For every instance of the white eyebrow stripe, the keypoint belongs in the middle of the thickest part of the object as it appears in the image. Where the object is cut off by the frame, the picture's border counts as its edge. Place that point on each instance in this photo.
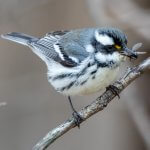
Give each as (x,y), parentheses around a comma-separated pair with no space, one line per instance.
(104,39)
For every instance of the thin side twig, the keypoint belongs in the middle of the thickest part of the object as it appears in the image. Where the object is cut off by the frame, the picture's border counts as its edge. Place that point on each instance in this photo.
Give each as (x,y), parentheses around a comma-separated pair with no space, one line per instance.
(97,105)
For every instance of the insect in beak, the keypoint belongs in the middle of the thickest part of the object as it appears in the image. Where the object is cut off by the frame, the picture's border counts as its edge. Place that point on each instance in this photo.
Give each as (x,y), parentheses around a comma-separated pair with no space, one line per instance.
(132,53)
(129,53)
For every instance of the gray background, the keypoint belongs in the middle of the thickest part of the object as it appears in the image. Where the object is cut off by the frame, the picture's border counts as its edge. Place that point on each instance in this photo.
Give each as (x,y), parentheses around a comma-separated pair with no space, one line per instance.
(33,106)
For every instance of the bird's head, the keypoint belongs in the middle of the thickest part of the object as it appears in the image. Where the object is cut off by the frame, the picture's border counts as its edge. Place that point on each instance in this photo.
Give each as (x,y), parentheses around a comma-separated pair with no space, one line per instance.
(113,40)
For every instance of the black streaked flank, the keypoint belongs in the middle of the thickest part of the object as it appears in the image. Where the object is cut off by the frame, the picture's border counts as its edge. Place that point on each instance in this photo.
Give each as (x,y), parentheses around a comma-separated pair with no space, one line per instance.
(93,72)
(60,89)
(93,77)
(70,85)
(99,64)
(70,75)
(62,76)
(84,70)
(67,87)
(82,83)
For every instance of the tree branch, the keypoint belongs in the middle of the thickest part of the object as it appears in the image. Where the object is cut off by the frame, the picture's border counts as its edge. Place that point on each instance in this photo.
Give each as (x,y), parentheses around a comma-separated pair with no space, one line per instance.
(97,105)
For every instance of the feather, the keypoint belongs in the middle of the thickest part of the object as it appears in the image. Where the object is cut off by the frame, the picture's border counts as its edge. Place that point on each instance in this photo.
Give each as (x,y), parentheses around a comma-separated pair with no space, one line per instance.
(20,38)
(50,47)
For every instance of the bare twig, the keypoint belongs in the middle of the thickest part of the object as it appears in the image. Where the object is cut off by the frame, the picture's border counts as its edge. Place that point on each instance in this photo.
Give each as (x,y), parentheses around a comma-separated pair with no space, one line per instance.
(97,105)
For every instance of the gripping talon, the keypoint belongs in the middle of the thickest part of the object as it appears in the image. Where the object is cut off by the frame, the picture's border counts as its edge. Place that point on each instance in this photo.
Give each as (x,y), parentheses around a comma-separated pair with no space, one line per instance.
(114,90)
(77,118)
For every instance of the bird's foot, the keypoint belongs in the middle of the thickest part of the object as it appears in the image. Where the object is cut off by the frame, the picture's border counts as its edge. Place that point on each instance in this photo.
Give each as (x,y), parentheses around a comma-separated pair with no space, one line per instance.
(114,90)
(77,118)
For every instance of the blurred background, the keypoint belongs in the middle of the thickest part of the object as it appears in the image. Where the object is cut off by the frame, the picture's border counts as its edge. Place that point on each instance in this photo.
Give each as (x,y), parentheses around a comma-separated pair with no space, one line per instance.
(30,107)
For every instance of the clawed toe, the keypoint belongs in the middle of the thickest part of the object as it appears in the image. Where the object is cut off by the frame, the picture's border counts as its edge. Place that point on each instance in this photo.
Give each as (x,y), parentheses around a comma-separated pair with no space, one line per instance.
(114,90)
(77,118)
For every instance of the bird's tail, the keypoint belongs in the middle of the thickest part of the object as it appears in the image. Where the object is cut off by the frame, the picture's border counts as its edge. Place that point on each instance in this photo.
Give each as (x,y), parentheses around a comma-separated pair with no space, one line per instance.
(19,38)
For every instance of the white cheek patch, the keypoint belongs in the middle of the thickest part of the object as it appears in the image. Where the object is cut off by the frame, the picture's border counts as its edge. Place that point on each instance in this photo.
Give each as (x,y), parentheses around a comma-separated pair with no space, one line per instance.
(101,57)
(104,39)
(89,48)
(116,57)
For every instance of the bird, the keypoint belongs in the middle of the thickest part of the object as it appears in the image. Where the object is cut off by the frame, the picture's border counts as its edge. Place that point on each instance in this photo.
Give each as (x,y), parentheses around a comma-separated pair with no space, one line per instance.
(79,61)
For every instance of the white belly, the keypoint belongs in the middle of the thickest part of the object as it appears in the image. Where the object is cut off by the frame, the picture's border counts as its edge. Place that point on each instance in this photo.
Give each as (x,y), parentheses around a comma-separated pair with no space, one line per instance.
(103,78)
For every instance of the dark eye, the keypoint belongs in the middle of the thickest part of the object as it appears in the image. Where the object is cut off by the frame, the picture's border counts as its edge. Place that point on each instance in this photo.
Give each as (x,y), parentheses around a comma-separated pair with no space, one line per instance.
(109,46)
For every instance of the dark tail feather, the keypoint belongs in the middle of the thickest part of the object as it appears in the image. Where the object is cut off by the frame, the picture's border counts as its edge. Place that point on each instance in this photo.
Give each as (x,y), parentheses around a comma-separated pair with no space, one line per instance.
(19,38)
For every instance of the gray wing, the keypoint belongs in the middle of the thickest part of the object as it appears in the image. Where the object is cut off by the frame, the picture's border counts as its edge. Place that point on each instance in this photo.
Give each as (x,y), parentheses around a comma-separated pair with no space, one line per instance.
(63,46)
(74,43)
(49,46)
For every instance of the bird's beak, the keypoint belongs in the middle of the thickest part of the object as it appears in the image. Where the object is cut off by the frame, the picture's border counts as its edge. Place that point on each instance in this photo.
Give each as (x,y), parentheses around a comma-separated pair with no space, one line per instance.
(129,53)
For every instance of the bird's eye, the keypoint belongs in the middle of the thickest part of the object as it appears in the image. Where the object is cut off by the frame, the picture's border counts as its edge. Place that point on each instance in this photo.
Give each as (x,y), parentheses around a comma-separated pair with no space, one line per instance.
(109,46)
(118,47)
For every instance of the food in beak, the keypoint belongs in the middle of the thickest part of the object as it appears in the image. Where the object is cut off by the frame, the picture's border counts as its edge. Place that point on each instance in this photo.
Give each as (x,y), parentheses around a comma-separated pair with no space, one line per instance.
(132,53)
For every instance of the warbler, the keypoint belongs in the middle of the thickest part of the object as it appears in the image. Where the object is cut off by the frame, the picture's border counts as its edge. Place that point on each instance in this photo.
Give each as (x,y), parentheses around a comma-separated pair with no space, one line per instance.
(81,61)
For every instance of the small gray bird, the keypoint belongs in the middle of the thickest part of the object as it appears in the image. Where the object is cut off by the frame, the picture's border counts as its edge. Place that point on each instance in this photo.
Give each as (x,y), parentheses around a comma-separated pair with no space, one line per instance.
(81,61)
